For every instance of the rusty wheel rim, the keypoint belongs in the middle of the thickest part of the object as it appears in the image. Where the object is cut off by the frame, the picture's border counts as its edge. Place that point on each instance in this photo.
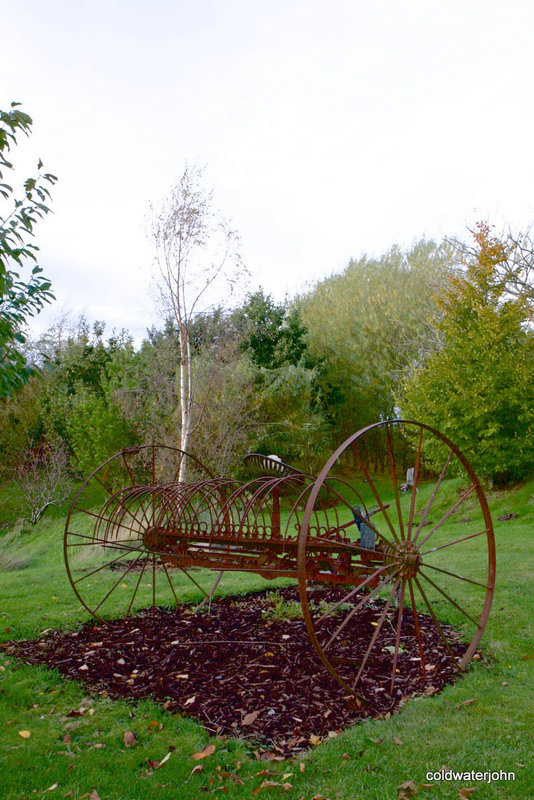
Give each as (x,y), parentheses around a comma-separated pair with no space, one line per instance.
(112,552)
(445,512)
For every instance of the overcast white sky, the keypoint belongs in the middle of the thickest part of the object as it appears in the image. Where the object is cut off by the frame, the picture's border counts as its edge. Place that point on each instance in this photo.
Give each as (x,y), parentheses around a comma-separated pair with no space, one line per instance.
(329,129)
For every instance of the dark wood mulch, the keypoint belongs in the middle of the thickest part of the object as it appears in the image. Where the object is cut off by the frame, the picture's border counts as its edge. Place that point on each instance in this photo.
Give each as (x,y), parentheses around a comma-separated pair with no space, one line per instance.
(239,671)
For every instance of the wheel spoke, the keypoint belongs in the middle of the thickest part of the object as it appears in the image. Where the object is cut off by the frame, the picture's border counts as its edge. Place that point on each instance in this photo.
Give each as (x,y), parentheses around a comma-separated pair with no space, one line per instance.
(109,544)
(455,575)
(398,635)
(107,519)
(153,584)
(104,485)
(353,592)
(415,481)
(376,632)
(347,545)
(456,541)
(137,586)
(357,607)
(124,574)
(374,491)
(433,497)
(417,631)
(394,478)
(170,582)
(209,596)
(128,470)
(434,618)
(447,597)
(107,564)
(92,539)
(446,516)
(194,581)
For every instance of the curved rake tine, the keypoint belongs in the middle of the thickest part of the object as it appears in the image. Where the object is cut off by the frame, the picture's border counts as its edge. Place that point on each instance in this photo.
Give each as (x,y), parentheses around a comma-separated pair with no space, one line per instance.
(376,633)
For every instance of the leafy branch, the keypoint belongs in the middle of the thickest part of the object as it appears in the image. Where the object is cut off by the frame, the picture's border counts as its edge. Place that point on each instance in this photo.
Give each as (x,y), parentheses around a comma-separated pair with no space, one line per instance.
(20,297)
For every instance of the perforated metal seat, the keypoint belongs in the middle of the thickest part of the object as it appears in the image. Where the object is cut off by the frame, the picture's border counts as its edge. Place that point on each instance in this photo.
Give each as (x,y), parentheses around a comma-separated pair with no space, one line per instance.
(269,466)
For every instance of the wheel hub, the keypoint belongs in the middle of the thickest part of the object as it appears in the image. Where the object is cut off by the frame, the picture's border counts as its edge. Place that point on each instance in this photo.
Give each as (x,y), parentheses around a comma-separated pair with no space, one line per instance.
(157,539)
(407,558)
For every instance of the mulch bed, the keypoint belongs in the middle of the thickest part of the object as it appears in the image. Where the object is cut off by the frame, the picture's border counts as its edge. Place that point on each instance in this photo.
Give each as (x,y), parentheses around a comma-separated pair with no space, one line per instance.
(241,672)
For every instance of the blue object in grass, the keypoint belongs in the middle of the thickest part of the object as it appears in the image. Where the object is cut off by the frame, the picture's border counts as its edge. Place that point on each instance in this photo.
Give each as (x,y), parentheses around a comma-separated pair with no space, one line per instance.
(367,534)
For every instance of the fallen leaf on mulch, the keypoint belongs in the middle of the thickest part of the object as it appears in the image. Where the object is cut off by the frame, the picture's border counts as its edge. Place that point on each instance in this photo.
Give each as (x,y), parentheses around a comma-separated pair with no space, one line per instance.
(248,719)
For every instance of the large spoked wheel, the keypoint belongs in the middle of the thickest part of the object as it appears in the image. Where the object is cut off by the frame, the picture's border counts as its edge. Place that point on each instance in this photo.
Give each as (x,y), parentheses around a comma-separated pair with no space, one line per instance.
(412,583)
(111,547)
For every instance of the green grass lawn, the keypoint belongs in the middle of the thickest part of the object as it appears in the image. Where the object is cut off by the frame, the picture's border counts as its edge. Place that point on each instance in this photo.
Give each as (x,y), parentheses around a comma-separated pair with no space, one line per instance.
(76,740)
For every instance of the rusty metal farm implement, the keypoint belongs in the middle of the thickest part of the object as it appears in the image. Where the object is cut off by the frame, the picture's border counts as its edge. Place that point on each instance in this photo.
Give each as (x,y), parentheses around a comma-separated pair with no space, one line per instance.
(373,557)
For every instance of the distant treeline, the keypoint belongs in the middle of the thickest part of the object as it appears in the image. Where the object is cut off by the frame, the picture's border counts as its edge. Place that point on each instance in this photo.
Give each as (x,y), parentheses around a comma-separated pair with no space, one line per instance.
(441,333)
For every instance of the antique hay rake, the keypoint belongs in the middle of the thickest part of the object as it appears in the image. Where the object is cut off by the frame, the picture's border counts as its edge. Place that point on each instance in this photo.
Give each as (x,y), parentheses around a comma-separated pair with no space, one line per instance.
(369,562)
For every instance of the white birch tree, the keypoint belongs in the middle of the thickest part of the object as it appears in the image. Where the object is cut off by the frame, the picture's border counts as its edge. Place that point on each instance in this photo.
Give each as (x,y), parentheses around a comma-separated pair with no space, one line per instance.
(199,267)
